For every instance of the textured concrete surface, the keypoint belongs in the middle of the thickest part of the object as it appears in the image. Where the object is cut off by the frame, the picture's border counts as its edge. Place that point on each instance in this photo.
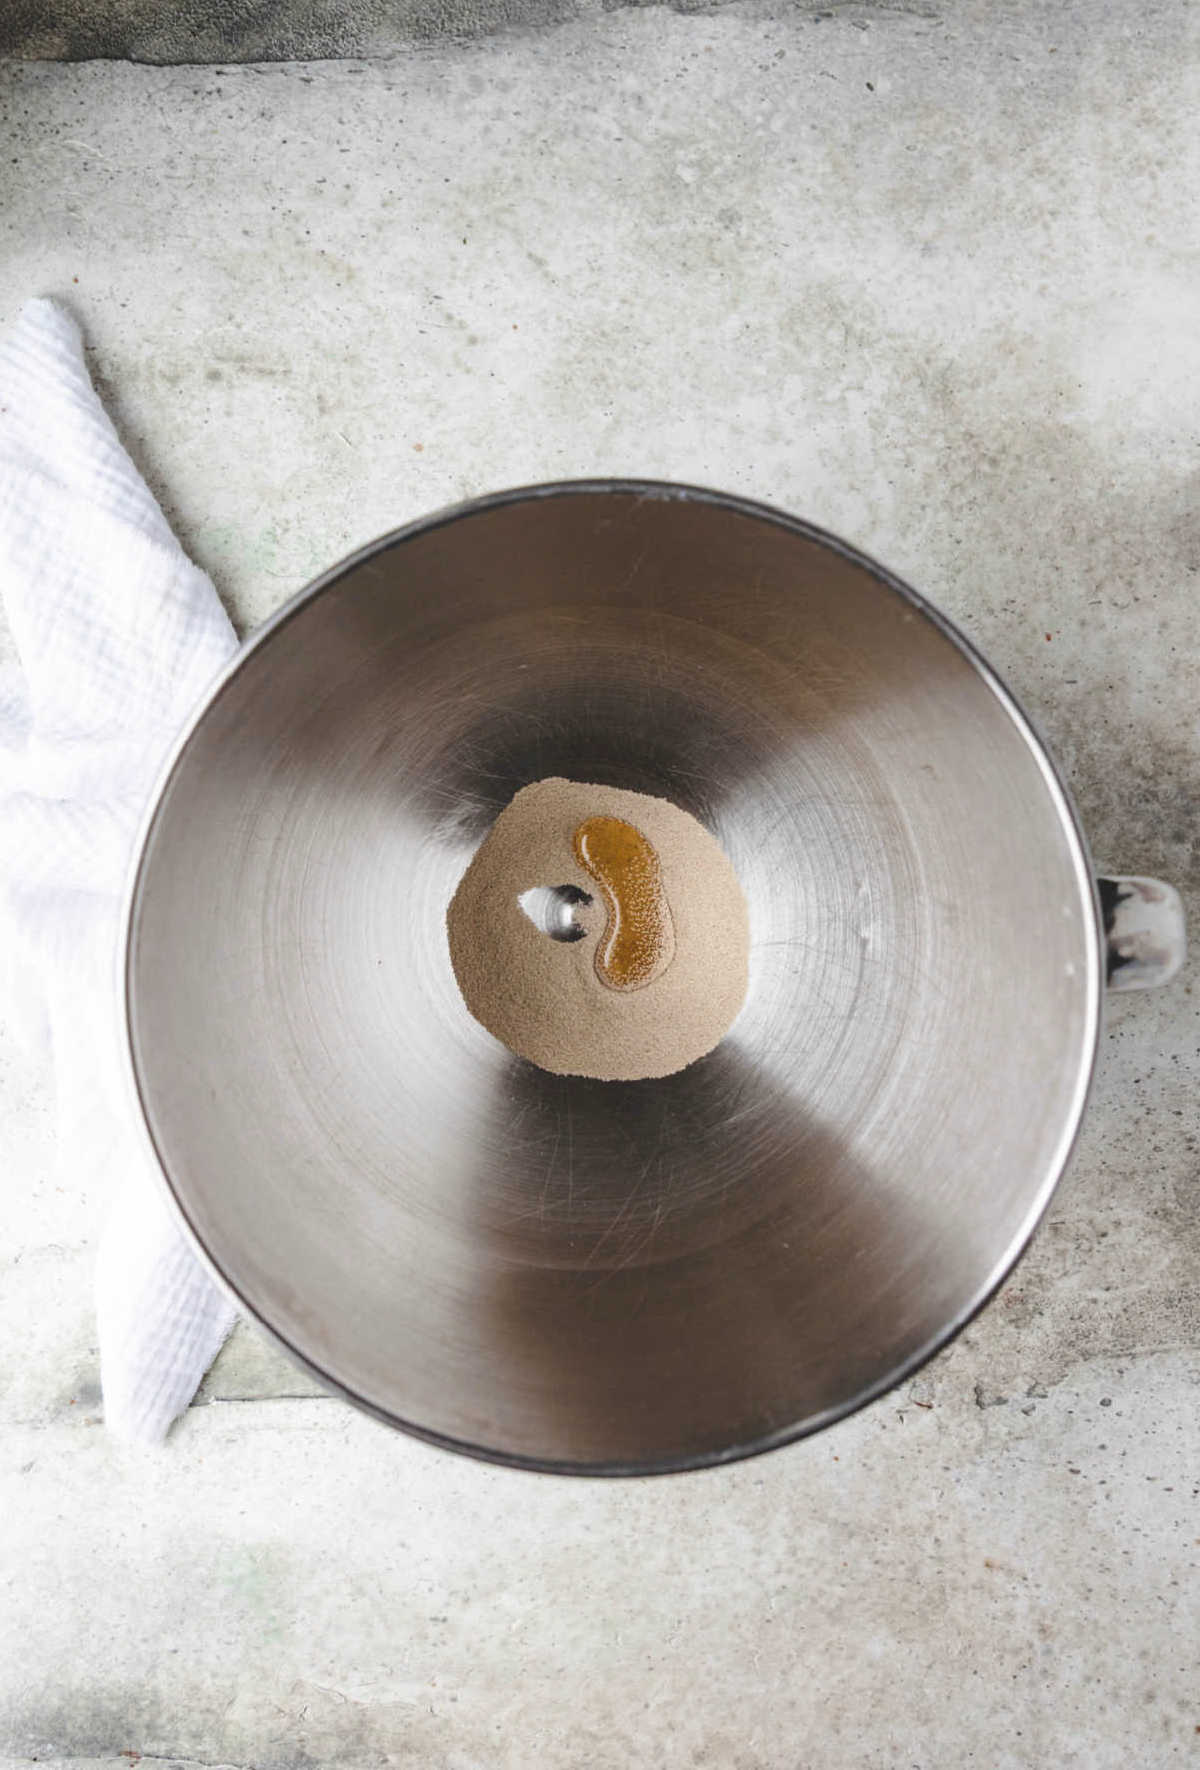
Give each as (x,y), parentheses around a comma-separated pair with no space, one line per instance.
(929,280)
(217,31)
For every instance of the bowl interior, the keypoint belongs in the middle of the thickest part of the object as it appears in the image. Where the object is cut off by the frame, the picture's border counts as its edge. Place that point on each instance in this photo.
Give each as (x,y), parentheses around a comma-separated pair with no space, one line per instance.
(612,1275)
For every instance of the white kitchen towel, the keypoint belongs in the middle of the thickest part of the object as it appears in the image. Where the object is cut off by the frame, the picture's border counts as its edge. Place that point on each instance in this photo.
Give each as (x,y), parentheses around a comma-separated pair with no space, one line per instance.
(117,635)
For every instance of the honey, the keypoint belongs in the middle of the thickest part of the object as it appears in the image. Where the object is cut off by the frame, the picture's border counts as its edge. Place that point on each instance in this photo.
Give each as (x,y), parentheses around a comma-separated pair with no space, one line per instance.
(638,942)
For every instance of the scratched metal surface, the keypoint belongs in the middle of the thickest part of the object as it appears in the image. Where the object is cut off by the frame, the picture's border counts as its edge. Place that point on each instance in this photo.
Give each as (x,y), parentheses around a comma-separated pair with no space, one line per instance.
(578,1274)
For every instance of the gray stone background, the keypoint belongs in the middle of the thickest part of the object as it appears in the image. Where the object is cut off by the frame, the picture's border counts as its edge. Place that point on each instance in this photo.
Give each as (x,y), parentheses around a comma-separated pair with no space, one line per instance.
(927,275)
(272,30)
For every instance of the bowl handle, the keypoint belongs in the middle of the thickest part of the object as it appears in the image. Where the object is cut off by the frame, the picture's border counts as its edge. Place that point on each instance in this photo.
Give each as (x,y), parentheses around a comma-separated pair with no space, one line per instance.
(1144,930)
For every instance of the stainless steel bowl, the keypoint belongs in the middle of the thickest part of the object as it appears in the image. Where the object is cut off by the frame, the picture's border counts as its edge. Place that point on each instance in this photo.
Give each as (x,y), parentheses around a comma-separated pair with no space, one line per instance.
(591,1276)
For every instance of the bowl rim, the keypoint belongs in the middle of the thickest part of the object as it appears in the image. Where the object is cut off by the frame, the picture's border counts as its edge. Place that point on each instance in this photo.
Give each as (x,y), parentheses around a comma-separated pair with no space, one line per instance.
(647,490)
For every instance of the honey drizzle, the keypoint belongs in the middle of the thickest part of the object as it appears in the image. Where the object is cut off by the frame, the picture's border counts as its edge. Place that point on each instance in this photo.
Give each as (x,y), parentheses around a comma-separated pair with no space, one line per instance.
(639,936)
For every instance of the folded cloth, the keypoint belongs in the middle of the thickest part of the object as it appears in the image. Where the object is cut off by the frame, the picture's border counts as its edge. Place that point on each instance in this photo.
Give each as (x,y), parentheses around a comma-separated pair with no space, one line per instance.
(117,635)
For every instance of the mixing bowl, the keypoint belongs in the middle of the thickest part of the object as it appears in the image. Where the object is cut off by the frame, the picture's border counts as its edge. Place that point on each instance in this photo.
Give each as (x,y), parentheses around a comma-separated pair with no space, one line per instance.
(601,1276)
